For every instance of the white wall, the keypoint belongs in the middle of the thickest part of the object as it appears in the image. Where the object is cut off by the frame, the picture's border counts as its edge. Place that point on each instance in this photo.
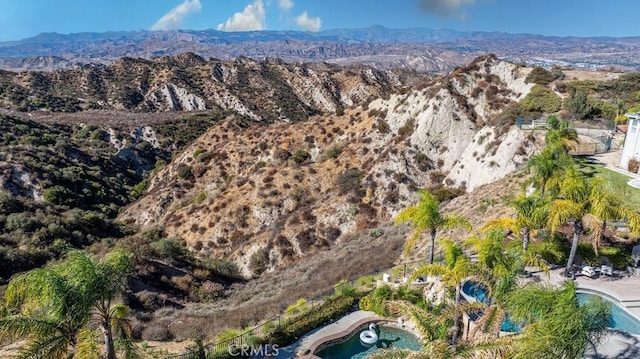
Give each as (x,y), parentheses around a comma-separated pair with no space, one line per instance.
(631,147)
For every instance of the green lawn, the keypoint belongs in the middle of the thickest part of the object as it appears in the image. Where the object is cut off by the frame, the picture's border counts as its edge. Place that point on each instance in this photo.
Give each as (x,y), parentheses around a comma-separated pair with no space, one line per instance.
(615,181)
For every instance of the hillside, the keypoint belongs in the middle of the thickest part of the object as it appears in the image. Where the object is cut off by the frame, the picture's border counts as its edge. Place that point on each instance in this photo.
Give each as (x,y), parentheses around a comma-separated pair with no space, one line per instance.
(261,91)
(264,203)
(205,196)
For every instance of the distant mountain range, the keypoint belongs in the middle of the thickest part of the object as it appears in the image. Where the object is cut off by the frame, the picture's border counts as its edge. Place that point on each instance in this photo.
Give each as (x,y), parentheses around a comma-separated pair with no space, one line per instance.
(417,48)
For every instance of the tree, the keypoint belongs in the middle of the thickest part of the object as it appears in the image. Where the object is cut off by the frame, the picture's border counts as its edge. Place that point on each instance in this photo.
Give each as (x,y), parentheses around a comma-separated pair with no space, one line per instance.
(432,327)
(541,99)
(51,307)
(503,261)
(456,269)
(426,216)
(554,157)
(578,105)
(560,134)
(585,203)
(557,326)
(530,213)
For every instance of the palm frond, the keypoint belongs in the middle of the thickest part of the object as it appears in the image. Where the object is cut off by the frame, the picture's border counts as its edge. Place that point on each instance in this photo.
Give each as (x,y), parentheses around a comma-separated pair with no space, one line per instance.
(490,322)
(563,210)
(40,290)
(20,326)
(88,346)
(488,348)
(533,259)
(412,241)
(426,322)
(594,225)
(455,221)
(53,347)
(392,354)
(508,223)
(451,312)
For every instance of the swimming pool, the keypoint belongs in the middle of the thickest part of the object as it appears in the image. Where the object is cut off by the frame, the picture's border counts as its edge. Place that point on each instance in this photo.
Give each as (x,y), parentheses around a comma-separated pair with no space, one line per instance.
(478,292)
(620,318)
(353,349)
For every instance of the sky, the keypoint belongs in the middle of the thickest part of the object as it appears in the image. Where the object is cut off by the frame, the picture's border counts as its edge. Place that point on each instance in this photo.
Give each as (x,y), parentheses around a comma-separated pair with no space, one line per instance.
(25,18)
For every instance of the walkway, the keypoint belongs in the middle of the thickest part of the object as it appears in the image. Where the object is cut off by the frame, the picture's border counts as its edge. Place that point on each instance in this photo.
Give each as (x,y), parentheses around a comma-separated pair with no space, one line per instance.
(307,345)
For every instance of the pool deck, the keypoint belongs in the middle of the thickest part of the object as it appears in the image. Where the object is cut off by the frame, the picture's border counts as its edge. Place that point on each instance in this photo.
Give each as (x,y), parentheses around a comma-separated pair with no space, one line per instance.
(308,344)
(624,289)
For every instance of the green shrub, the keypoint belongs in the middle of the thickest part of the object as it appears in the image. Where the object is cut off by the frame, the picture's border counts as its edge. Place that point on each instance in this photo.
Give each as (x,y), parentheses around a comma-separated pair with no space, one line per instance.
(541,76)
(620,257)
(9,204)
(293,328)
(201,197)
(139,189)
(184,172)
(259,261)
(383,127)
(349,180)
(171,249)
(58,195)
(541,99)
(22,221)
(375,301)
(300,306)
(222,267)
(300,156)
(333,152)
(198,152)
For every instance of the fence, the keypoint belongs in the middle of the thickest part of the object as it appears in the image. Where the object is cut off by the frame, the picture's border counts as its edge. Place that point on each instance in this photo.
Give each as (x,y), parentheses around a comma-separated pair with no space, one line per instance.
(296,313)
(602,137)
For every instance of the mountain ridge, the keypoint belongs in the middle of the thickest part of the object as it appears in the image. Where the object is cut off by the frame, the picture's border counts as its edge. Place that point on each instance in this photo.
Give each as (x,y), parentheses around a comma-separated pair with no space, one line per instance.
(422,49)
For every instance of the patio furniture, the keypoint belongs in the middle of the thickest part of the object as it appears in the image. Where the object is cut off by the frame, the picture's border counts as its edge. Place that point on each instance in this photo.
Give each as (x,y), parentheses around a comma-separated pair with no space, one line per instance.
(635,256)
(588,271)
(607,266)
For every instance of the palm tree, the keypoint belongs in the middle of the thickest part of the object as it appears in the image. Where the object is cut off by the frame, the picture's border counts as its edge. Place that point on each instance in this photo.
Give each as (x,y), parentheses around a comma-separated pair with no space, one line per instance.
(559,132)
(457,268)
(425,216)
(554,157)
(504,262)
(557,326)
(51,307)
(433,329)
(587,204)
(530,214)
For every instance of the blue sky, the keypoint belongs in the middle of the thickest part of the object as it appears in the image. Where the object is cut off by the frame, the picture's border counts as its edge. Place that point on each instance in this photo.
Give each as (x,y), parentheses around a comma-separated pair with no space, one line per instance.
(24,18)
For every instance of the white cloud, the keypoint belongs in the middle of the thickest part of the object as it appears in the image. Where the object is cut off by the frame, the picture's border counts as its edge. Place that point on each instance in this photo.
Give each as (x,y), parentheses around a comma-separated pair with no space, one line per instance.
(173,18)
(285,4)
(308,23)
(250,19)
(445,8)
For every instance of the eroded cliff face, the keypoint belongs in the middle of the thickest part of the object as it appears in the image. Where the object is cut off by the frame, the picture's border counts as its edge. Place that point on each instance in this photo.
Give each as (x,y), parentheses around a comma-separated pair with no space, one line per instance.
(458,122)
(265,196)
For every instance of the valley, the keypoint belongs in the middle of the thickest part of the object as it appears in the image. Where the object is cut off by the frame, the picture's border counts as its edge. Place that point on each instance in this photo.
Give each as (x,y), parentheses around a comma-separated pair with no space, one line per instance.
(235,202)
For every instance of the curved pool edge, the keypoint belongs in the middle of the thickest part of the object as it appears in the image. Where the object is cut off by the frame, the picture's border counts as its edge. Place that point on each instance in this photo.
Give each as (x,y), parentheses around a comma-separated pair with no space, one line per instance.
(346,334)
(607,295)
(318,345)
